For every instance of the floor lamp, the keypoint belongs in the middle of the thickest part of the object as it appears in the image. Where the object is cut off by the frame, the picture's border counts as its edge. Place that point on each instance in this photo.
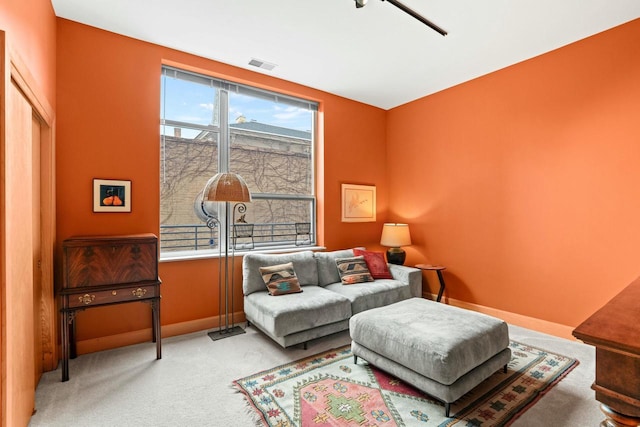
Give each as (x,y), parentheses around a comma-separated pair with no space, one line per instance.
(225,187)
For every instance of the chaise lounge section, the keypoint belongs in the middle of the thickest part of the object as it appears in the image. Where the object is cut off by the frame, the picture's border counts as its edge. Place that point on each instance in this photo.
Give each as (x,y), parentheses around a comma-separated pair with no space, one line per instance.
(325,304)
(442,350)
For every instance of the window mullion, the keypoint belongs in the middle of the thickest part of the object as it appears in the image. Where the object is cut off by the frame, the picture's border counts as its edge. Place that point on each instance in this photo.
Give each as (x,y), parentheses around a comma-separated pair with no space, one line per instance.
(224,155)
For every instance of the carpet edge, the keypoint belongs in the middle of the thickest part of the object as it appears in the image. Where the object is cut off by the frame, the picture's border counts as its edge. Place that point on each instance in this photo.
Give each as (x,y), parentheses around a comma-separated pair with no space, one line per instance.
(544,391)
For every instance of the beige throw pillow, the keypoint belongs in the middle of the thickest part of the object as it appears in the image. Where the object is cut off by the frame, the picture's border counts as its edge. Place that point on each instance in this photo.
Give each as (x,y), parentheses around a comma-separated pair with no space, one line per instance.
(280,279)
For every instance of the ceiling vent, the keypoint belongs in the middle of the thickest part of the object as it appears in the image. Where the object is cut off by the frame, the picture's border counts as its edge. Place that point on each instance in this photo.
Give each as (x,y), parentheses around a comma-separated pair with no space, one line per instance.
(262,64)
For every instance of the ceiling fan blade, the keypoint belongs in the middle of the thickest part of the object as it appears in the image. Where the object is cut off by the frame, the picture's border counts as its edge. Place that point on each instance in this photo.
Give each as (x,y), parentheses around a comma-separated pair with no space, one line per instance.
(416,15)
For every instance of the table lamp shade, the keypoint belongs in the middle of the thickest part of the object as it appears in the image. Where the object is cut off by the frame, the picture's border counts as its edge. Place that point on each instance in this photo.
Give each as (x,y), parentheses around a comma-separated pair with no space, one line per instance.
(395,235)
(226,187)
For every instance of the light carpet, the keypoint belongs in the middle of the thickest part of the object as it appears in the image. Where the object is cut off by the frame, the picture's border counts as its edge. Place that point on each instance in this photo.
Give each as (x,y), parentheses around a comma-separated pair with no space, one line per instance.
(191,384)
(329,389)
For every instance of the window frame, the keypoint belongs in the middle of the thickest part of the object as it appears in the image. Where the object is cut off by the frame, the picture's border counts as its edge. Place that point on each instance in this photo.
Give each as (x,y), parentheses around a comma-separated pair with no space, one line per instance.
(224,130)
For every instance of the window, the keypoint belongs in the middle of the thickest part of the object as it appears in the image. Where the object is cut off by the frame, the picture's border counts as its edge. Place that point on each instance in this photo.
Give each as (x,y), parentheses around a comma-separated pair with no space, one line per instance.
(208,126)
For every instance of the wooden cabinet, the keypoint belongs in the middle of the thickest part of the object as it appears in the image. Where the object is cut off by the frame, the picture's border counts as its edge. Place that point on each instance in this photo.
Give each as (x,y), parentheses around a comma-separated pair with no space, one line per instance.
(614,330)
(96,261)
(105,270)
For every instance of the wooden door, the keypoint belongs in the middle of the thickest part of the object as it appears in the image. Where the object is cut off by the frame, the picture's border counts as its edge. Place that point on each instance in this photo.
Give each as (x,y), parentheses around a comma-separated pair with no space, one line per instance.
(27,235)
(19,313)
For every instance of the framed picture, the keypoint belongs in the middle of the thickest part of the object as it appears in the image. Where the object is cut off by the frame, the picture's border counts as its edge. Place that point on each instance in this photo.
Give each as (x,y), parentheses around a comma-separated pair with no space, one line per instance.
(358,203)
(110,195)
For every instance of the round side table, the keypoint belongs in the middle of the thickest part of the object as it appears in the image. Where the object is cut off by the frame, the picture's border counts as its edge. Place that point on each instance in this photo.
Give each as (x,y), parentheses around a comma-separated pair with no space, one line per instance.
(438,269)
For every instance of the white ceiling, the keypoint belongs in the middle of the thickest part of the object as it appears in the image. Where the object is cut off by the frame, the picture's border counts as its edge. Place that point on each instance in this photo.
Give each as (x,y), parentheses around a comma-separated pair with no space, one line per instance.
(377,54)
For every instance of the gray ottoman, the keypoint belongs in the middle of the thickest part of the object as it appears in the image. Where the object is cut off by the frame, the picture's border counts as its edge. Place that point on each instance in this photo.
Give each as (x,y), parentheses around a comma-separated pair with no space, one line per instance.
(442,350)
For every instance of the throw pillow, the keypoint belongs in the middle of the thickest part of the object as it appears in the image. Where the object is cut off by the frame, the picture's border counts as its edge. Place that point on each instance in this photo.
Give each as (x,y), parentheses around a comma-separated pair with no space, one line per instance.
(280,279)
(376,263)
(353,270)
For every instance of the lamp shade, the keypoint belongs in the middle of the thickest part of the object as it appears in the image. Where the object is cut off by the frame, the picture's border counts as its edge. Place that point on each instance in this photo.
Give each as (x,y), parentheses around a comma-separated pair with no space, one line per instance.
(226,187)
(395,235)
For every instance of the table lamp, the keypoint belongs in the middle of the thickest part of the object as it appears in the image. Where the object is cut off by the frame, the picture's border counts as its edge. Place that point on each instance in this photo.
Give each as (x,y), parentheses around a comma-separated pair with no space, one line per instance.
(395,235)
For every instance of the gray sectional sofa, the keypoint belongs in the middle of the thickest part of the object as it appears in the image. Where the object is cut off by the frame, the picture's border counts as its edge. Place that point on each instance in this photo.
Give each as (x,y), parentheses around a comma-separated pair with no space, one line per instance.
(325,305)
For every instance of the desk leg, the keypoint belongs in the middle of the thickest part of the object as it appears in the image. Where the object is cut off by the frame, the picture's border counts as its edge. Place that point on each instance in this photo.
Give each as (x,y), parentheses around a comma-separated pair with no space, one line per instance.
(616,419)
(441,291)
(157,333)
(154,329)
(65,345)
(73,350)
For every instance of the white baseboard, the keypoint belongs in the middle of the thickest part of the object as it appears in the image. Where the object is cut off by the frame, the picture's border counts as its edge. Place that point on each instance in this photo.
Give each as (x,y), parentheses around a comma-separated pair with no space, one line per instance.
(544,326)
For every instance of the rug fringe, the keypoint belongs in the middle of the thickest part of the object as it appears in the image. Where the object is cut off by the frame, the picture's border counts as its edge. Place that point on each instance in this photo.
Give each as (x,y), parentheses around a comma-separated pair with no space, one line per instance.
(250,409)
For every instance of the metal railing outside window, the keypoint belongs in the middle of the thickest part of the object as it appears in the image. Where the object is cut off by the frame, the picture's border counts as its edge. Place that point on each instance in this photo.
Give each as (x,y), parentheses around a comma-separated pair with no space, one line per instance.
(193,237)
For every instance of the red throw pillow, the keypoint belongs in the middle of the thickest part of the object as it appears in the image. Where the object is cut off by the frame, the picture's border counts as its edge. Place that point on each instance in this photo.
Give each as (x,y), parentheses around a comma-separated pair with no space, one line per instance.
(376,263)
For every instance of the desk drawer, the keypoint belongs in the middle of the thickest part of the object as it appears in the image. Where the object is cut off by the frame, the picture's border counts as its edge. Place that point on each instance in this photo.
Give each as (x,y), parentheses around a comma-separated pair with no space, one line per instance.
(98,262)
(90,298)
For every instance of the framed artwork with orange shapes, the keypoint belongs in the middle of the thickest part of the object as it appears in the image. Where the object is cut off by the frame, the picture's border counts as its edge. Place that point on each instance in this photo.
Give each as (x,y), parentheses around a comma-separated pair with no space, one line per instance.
(111,195)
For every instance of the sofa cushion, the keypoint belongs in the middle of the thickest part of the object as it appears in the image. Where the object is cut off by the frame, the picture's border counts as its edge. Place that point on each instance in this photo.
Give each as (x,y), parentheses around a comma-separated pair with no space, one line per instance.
(304,265)
(292,313)
(365,296)
(353,270)
(327,268)
(280,279)
(376,263)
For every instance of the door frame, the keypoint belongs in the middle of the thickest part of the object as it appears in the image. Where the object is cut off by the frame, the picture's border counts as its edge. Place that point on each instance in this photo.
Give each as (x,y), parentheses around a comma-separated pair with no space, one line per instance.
(13,69)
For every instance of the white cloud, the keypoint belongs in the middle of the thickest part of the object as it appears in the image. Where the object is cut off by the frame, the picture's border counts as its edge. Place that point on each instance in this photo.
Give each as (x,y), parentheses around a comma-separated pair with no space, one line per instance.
(289,113)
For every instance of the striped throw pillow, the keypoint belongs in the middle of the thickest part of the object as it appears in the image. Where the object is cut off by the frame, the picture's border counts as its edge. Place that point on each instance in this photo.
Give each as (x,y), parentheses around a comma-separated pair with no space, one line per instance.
(353,270)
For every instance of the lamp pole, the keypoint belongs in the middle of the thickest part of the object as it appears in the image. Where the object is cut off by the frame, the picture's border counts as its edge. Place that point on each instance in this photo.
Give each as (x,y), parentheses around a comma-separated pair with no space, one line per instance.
(226,187)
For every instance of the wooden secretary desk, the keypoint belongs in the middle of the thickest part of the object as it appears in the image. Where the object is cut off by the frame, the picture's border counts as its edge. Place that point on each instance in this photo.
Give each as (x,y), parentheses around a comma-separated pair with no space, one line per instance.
(105,270)
(614,330)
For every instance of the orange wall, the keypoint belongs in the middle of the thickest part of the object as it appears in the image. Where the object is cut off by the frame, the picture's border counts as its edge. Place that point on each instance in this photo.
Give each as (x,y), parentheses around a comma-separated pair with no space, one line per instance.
(30,26)
(108,127)
(520,182)
(524,182)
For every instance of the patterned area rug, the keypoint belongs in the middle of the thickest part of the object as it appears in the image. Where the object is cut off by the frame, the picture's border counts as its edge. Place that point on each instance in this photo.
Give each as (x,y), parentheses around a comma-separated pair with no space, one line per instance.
(328,389)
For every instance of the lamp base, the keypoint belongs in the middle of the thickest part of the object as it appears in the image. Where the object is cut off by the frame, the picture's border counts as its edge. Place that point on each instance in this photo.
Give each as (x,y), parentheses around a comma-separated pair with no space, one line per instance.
(226,333)
(396,256)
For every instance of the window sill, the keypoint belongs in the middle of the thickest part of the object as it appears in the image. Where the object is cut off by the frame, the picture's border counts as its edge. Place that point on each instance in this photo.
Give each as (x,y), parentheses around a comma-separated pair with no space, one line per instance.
(206,254)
